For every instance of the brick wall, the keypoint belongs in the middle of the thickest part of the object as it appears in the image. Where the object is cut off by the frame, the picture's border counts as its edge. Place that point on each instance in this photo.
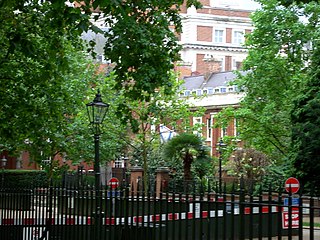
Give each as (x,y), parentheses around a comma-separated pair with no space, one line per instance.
(183,70)
(204,33)
(228,35)
(223,12)
(205,2)
(201,66)
(228,63)
(207,66)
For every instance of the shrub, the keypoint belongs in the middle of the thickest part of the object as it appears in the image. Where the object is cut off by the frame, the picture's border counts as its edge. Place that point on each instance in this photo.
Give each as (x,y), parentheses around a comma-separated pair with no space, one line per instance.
(24,179)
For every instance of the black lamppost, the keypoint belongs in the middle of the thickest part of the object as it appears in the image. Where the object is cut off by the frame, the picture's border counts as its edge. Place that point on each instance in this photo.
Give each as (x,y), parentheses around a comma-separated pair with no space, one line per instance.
(3,165)
(80,175)
(97,111)
(221,145)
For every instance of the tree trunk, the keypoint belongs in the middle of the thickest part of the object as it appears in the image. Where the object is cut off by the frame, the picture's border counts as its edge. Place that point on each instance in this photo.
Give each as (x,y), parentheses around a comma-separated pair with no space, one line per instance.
(187,166)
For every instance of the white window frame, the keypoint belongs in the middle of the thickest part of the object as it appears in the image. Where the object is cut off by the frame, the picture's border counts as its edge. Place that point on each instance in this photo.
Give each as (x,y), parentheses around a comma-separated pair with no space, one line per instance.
(209,128)
(220,38)
(224,132)
(237,40)
(197,120)
(187,93)
(236,124)
(118,163)
(210,91)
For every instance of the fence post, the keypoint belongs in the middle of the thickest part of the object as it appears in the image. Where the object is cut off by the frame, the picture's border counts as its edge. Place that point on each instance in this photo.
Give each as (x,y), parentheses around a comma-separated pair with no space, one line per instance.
(135,178)
(241,210)
(311,215)
(162,179)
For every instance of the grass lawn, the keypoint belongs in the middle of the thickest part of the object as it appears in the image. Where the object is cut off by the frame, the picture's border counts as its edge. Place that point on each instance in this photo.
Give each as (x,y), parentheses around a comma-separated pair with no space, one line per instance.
(307,224)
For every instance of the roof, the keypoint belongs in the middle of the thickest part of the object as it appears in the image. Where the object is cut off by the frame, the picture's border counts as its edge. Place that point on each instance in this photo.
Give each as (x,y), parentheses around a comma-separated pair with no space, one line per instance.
(215,80)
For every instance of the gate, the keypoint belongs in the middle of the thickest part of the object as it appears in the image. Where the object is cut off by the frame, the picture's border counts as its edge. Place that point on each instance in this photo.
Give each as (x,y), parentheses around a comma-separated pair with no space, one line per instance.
(63,213)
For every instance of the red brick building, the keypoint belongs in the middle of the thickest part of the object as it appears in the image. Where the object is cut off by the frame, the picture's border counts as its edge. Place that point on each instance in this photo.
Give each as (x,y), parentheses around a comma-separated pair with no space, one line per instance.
(219,94)
(213,36)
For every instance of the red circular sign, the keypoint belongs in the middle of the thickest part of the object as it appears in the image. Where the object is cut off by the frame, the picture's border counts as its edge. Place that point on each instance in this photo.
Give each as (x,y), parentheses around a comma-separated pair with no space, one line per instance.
(113,183)
(292,185)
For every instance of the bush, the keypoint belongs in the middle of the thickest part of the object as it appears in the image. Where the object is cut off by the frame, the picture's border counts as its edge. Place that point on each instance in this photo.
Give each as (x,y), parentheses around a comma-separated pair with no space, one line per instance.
(24,179)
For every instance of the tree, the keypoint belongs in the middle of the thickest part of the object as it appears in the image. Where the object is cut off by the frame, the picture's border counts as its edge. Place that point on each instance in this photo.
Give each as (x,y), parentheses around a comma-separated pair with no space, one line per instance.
(36,35)
(305,132)
(45,77)
(161,108)
(279,111)
(290,2)
(304,114)
(145,52)
(36,57)
(188,147)
(274,71)
(79,144)
(249,164)
(66,132)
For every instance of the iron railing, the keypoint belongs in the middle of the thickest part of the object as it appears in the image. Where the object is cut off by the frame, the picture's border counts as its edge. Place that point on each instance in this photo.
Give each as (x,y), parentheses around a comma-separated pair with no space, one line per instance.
(196,212)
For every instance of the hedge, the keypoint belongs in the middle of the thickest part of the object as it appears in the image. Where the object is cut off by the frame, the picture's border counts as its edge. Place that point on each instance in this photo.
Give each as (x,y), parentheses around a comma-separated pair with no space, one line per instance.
(24,179)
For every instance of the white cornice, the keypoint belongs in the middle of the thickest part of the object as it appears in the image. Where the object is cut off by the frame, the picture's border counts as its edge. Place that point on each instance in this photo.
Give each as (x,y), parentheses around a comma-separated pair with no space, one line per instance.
(215,48)
(218,18)
(217,100)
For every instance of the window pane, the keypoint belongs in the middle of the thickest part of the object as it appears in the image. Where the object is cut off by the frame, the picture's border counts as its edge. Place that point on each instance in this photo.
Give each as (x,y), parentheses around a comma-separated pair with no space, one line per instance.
(238,37)
(218,36)
(209,128)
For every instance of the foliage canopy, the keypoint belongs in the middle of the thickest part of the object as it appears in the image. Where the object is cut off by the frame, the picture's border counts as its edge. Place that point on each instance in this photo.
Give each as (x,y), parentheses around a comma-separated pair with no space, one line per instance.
(44,79)
(280,108)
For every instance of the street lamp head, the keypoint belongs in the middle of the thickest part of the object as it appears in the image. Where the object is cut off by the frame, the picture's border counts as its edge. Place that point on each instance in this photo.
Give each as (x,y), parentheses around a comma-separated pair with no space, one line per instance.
(97,111)
(4,161)
(221,144)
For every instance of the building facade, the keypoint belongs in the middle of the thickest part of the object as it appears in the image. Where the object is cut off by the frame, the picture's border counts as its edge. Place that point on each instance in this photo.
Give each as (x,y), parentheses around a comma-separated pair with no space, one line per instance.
(212,47)
(213,93)
(213,36)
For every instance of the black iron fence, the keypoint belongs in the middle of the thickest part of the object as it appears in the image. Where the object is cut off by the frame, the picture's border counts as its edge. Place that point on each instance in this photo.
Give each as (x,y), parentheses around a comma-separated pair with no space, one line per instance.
(197,212)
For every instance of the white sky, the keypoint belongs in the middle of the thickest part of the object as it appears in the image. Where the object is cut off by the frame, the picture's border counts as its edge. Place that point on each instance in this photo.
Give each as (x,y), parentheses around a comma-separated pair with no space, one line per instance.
(248,4)
(239,4)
